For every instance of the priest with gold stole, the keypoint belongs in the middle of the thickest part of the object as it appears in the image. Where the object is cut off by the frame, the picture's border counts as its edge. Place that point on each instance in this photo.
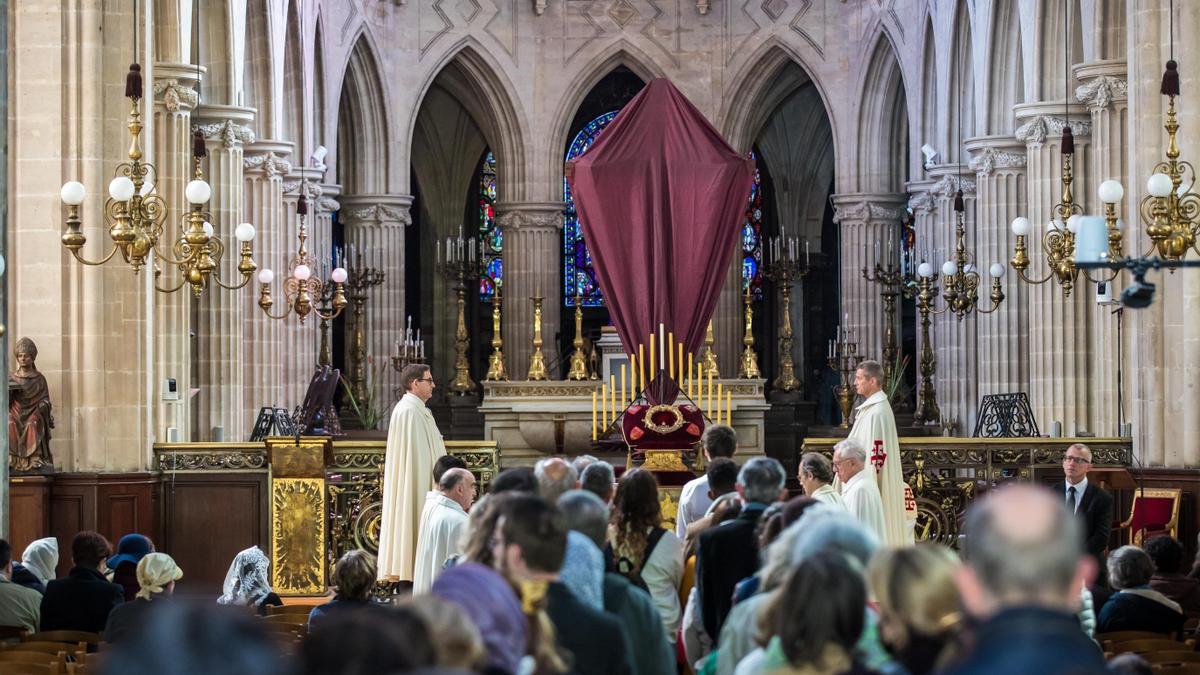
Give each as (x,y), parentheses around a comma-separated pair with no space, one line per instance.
(875,428)
(414,444)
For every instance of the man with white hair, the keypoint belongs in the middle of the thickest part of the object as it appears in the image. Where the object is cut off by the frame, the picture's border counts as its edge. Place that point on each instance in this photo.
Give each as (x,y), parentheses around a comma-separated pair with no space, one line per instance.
(554,477)
(859,491)
(442,526)
(875,430)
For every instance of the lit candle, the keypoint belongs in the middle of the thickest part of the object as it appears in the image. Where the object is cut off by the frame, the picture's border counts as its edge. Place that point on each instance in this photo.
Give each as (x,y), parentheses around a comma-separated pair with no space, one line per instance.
(641,364)
(594,430)
(671,355)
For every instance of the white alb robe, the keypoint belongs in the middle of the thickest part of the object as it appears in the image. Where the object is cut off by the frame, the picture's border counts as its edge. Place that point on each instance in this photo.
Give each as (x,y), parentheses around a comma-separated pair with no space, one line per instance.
(414,444)
(829,495)
(875,429)
(861,497)
(442,526)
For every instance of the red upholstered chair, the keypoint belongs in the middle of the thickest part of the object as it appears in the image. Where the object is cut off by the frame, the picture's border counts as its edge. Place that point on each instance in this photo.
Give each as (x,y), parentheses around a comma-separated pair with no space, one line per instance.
(1155,511)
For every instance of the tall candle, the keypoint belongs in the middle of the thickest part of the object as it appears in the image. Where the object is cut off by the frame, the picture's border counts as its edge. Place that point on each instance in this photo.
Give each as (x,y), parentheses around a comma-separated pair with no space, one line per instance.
(612,391)
(671,355)
(720,398)
(624,383)
(679,346)
(662,345)
(653,348)
(729,408)
(691,377)
(708,407)
(604,405)
(594,430)
(641,368)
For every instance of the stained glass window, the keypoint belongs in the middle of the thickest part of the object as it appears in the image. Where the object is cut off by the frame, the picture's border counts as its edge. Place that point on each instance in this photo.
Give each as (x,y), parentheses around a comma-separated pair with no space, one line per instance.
(752,236)
(491,239)
(578,274)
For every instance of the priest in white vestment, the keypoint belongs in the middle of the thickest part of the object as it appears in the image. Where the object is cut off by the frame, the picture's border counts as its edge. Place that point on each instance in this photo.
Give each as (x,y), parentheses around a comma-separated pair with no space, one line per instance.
(816,477)
(414,444)
(860,494)
(442,525)
(875,429)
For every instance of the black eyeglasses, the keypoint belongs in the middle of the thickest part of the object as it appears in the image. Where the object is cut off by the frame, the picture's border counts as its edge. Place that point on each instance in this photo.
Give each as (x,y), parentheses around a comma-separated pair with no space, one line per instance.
(1076,460)
(424,379)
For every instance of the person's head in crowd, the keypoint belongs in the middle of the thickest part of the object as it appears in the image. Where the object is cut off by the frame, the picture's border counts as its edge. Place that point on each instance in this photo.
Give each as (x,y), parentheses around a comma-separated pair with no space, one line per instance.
(1022,548)
(369,640)
(718,440)
(1129,664)
(131,549)
(795,508)
(354,576)
(1166,552)
(1077,460)
(554,477)
(635,512)
(722,475)
(919,611)
(586,514)
(761,480)
(458,485)
(1129,567)
(41,558)
(582,462)
(849,459)
(494,609)
(458,643)
(6,559)
(444,464)
(599,479)
(417,379)
(89,549)
(156,575)
(530,539)
(770,524)
(815,472)
(246,582)
(726,507)
(583,570)
(481,523)
(187,638)
(822,528)
(868,378)
(817,616)
(514,479)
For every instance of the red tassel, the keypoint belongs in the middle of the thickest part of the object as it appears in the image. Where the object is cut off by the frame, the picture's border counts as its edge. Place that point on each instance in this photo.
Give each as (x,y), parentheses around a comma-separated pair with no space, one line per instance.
(133,82)
(958,202)
(1170,81)
(302,205)
(1068,141)
(199,149)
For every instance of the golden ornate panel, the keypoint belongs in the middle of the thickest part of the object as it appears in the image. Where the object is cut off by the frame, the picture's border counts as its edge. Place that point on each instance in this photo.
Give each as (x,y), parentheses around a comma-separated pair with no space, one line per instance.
(298,536)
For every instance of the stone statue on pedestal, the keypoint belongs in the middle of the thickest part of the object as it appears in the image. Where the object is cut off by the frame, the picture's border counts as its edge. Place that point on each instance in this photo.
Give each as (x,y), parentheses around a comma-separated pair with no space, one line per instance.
(29,414)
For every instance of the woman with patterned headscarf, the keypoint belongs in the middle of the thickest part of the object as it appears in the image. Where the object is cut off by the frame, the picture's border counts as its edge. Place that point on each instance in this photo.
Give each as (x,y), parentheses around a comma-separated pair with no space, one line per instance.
(156,575)
(247,583)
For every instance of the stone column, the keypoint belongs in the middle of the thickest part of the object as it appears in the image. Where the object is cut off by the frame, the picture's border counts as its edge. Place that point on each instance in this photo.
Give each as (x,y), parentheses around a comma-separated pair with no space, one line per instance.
(375,225)
(924,210)
(869,225)
(998,163)
(1105,92)
(532,263)
(221,313)
(1060,335)
(174,101)
(954,338)
(262,373)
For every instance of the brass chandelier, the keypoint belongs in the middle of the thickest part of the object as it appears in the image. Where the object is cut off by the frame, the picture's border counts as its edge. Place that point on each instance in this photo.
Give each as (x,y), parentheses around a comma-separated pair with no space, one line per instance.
(135,213)
(304,280)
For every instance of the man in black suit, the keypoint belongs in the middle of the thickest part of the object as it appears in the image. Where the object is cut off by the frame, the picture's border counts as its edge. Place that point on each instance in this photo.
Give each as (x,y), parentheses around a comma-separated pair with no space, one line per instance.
(528,545)
(728,553)
(83,600)
(1087,501)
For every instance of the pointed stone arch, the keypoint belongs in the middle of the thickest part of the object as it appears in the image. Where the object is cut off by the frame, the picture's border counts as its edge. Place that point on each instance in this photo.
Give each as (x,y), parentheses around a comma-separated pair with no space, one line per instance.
(257,76)
(320,122)
(290,123)
(929,90)
(467,71)
(1006,86)
(882,122)
(960,89)
(362,128)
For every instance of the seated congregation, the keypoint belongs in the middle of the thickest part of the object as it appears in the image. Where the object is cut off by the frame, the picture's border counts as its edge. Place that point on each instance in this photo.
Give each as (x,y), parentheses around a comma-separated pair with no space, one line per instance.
(562,568)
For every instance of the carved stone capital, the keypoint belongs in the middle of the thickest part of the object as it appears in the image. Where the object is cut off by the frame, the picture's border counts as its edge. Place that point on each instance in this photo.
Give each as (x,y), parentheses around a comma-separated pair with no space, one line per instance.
(328,204)
(1102,91)
(949,184)
(1035,131)
(270,164)
(922,202)
(312,190)
(866,212)
(539,7)
(990,159)
(376,214)
(228,132)
(175,95)
(516,216)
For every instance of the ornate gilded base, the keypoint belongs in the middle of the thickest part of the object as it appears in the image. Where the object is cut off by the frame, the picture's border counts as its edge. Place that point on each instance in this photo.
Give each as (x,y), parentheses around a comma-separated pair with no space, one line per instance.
(662,460)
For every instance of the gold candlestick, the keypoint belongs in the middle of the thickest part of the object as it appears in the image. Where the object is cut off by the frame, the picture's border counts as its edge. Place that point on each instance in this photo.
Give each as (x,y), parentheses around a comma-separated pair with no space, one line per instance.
(578,368)
(496,371)
(844,359)
(783,269)
(462,383)
(537,362)
(749,366)
(709,356)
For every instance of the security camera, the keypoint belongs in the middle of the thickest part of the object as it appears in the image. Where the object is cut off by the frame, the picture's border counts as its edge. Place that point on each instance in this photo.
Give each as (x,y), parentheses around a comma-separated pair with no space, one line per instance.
(929,153)
(1139,294)
(318,156)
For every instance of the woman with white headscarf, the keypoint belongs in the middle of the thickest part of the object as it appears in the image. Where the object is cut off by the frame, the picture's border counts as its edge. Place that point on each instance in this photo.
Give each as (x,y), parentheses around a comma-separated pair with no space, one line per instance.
(247,583)
(37,565)
(156,575)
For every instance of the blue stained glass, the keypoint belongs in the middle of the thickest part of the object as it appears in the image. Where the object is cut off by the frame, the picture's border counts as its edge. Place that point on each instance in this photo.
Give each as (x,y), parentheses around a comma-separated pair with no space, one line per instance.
(752,235)
(749,267)
(578,274)
(491,238)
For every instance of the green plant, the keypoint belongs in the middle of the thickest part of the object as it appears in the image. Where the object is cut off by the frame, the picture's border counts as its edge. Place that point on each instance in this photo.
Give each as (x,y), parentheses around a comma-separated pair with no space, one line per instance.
(896,377)
(370,411)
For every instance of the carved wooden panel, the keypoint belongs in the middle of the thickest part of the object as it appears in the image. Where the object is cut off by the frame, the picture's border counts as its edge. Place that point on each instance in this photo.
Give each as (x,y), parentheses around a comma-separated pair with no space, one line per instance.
(207,519)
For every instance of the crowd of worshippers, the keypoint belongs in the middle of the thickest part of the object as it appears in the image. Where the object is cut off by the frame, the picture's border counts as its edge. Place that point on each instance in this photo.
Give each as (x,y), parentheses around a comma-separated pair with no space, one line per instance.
(562,568)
